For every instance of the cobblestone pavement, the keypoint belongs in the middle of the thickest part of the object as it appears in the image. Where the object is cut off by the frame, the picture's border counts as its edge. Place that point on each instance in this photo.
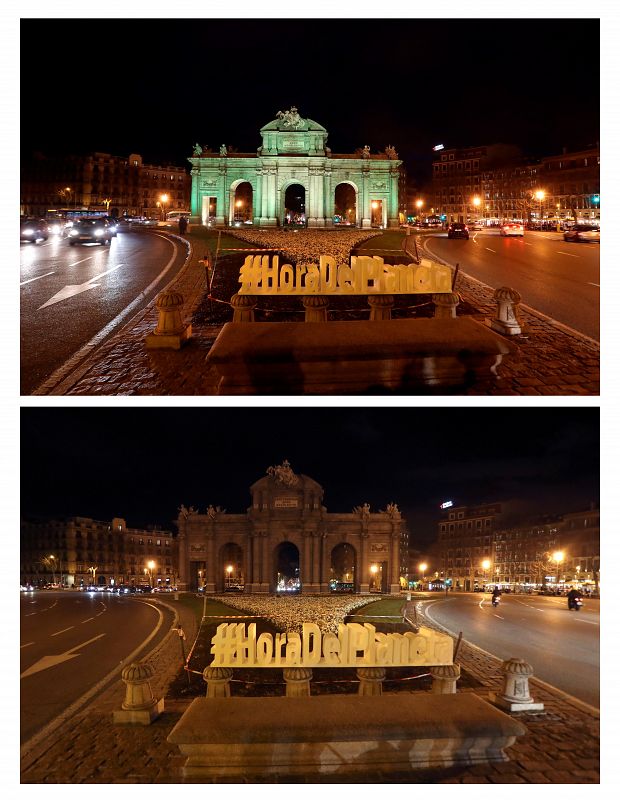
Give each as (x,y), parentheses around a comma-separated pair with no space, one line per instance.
(551,360)
(561,746)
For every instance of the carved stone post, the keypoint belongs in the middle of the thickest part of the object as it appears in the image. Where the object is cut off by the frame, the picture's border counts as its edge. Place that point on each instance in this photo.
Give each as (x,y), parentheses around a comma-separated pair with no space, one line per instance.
(243,306)
(516,691)
(140,707)
(171,333)
(218,681)
(381,306)
(445,305)
(297,681)
(316,308)
(507,321)
(445,678)
(371,680)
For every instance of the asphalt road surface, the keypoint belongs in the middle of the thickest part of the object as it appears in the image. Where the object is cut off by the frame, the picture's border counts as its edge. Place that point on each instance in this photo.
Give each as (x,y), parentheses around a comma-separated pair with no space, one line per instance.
(70,641)
(561,645)
(560,279)
(71,294)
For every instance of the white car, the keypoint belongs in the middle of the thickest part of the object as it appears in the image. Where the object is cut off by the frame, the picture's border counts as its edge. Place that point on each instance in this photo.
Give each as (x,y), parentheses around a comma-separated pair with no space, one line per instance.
(583,233)
(511,229)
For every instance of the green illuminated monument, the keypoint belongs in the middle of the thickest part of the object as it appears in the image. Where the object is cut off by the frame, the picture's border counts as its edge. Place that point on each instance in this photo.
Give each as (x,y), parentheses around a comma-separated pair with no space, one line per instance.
(231,188)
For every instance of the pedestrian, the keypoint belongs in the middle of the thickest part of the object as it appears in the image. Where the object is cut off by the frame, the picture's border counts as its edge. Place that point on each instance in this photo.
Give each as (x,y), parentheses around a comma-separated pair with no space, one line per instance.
(182,225)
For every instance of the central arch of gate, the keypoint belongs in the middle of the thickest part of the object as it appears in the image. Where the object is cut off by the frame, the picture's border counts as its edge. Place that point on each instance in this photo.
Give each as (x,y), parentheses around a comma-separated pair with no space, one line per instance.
(294,151)
(288,541)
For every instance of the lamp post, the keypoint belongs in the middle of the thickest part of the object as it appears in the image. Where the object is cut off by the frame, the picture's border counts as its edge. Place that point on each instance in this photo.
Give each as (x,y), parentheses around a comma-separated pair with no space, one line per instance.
(540,196)
(485,566)
(373,571)
(151,566)
(558,557)
(423,567)
(239,206)
(476,201)
(92,571)
(418,205)
(163,199)
(229,571)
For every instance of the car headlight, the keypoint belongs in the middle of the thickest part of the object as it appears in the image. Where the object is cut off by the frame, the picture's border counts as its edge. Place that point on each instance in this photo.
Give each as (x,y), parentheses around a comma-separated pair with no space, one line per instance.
(28,232)
(99,232)
(73,232)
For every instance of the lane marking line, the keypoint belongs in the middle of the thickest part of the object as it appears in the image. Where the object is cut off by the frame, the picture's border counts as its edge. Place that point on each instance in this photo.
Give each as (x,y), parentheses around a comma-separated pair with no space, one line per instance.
(26,645)
(594,284)
(87,620)
(488,248)
(23,283)
(562,253)
(75,263)
(62,631)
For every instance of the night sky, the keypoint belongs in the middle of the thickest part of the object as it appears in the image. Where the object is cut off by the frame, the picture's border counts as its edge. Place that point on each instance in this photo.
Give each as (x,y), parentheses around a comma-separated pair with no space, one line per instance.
(412,83)
(142,463)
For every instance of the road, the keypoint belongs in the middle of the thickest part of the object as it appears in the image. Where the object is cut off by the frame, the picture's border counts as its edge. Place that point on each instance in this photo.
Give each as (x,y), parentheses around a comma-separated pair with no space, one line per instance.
(71,294)
(561,645)
(70,641)
(560,279)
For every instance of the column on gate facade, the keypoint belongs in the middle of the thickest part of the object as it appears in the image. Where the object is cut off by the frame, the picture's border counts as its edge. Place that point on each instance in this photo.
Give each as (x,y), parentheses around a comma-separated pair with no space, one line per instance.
(395,561)
(316,558)
(325,563)
(366,212)
(306,570)
(364,582)
(393,221)
(210,581)
(328,199)
(183,560)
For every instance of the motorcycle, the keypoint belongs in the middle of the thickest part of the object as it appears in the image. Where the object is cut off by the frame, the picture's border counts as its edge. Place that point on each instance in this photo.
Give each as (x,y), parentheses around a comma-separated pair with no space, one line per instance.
(575,604)
(495,601)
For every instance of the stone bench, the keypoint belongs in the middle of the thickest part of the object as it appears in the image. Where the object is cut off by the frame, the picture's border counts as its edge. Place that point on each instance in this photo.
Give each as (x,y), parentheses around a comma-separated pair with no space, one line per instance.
(339,734)
(412,356)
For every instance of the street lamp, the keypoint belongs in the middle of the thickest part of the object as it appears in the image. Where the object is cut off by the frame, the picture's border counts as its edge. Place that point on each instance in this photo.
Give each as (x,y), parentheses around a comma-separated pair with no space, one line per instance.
(558,557)
(423,567)
(374,569)
(539,194)
(229,570)
(418,205)
(163,199)
(485,566)
(151,567)
(476,201)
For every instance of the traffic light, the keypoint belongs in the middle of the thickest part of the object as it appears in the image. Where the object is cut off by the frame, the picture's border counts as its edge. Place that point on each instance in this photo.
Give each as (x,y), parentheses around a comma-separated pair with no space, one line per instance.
(596,199)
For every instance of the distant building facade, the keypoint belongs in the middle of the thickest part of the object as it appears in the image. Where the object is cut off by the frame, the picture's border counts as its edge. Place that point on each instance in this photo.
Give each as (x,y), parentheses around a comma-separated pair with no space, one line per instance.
(550,551)
(82,551)
(229,187)
(287,540)
(496,183)
(100,182)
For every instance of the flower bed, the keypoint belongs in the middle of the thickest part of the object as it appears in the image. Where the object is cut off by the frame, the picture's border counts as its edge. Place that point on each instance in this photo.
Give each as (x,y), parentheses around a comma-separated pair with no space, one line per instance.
(305,246)
(287,613)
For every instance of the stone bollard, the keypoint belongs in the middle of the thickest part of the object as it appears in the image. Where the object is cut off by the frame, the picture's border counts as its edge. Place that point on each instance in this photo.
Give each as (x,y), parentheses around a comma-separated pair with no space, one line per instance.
(218,681)
(243,306)
(140,707)
(516,692)
(381,306)
(297,681)
(316,308)
(171,333)
(445,305)
(445,678)
(371,680)
(507,321)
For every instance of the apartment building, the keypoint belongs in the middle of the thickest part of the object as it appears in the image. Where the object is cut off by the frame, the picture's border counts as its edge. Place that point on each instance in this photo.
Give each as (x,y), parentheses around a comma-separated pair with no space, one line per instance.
(81,551)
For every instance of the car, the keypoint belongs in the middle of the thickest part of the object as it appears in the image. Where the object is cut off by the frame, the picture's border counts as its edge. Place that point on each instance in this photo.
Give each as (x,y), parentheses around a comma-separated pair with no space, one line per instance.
(511,229)
(58,227)
(33,230)
(90,229)
(458,230)
(113,223)
(583,233)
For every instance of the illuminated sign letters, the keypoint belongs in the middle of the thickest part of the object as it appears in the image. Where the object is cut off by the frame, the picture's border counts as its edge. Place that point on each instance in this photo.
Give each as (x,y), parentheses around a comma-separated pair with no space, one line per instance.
(354,645)
(365,275)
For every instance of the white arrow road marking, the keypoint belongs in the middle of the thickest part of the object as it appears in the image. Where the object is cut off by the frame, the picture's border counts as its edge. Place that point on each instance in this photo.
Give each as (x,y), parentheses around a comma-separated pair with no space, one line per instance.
(38,278)
(50,661)
(562,253)
(71,291)
(62,631)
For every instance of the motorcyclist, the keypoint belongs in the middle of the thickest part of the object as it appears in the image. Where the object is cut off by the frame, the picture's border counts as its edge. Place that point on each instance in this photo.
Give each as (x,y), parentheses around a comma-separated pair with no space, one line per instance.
(496,595)
(573,596)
